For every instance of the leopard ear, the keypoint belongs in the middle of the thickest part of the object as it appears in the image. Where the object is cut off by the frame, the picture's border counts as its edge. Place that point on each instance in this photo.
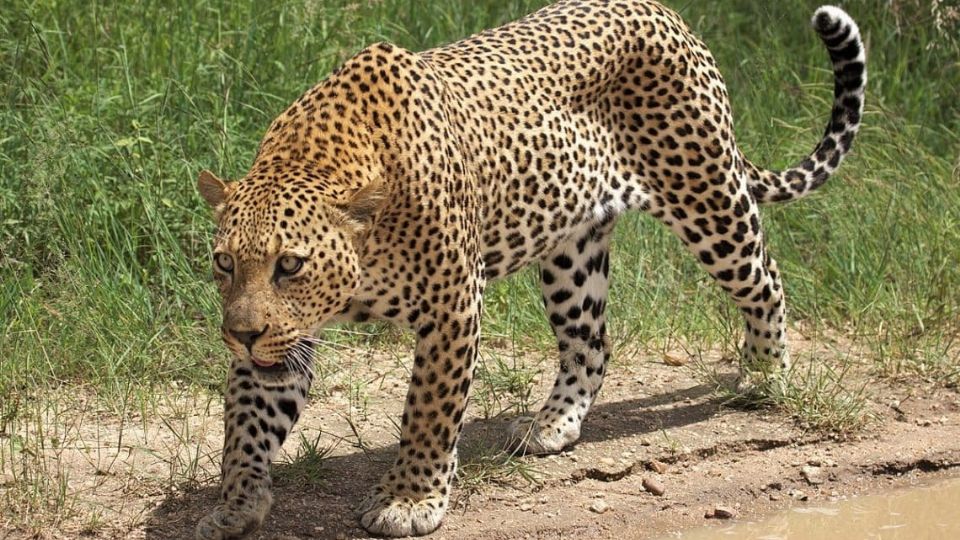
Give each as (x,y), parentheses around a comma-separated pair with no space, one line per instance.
(364,203)
(212,189)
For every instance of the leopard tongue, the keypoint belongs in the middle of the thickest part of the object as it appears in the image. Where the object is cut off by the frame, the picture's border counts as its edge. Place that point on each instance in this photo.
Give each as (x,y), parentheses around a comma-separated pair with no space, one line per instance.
(260,362)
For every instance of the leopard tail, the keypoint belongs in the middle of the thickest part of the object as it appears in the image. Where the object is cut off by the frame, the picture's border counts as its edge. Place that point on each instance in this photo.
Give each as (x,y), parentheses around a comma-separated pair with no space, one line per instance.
(842,38)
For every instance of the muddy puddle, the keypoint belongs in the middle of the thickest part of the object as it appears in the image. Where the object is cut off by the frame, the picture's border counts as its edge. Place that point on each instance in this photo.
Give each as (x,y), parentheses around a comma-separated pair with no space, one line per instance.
(928,511)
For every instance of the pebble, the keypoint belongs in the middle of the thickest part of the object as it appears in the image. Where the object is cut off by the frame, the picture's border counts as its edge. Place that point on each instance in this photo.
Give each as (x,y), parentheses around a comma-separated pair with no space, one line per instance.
(674,360)
(813,475)
(658,467)
(653,486)
(599,506)
(607,461)
(526,507)
(724,512)
(774,496)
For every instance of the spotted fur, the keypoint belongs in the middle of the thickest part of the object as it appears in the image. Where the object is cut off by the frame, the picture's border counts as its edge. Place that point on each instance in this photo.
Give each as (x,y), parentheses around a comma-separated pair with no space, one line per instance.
(399,186)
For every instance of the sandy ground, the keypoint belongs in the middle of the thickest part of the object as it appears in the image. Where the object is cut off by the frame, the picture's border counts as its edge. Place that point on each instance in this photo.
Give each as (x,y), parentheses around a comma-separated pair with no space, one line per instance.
(147,478)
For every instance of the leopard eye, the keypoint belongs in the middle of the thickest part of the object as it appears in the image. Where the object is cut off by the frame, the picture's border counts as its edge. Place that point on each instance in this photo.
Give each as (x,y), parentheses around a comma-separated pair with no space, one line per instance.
(289,265)
(223,262)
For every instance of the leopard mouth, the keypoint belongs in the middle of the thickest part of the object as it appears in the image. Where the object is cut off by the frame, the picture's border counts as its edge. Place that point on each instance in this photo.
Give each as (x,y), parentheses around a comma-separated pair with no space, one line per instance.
(268,368)
(261,363)
(298,359)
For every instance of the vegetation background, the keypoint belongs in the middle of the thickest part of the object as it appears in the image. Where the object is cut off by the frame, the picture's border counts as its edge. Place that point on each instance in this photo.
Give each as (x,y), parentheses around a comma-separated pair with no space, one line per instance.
(108,111)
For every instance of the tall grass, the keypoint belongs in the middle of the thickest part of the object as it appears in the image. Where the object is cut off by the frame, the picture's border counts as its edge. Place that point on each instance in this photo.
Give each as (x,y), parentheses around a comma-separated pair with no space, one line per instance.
(109,111)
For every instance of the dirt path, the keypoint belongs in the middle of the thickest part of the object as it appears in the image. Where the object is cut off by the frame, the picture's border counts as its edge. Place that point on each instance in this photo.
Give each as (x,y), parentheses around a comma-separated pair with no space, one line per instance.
(650,416)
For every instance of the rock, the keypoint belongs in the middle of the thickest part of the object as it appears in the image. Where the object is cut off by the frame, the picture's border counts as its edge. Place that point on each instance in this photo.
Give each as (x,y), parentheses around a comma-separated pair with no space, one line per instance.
(774,496)
(724,512)
(653,486)
(599,506)
(720,512)
(813,475)
(774,485)
(658,467)
(798,495)
(526,507)
(675,360)
(609,462)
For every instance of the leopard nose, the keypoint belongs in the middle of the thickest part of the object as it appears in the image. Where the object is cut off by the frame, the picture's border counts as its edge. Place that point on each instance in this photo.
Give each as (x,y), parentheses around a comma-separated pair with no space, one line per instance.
(247,337)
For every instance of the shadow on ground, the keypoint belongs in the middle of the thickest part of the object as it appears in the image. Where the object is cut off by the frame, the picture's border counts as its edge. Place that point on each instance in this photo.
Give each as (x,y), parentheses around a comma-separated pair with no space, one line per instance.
(324,509)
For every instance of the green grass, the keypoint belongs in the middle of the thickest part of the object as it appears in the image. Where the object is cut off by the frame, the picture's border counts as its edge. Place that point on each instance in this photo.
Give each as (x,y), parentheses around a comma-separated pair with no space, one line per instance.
(503,385)
(484,466)
(308,466)
(823,391)
(109,112)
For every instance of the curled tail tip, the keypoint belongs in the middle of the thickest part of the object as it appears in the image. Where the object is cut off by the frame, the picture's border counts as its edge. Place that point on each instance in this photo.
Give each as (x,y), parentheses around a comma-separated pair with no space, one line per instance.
(839,32)
(831,20)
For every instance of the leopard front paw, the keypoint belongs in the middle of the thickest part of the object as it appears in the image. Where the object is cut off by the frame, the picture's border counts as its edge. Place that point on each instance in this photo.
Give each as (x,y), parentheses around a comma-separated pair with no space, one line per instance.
(528,435)
(233,520)
(385,514)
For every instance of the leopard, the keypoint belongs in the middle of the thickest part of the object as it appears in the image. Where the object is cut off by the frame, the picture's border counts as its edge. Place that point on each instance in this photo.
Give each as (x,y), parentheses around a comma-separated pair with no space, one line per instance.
(401,185)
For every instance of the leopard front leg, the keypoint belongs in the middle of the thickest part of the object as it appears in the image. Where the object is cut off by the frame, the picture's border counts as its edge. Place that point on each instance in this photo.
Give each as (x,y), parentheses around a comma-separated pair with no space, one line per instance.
(258,416)
(412,496)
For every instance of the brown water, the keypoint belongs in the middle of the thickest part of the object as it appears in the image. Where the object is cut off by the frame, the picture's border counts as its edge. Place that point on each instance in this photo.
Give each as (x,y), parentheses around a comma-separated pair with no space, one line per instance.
(917,513)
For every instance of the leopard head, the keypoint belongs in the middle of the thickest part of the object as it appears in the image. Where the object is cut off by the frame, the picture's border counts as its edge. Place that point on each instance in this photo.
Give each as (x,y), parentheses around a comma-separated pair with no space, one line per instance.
(284,258)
